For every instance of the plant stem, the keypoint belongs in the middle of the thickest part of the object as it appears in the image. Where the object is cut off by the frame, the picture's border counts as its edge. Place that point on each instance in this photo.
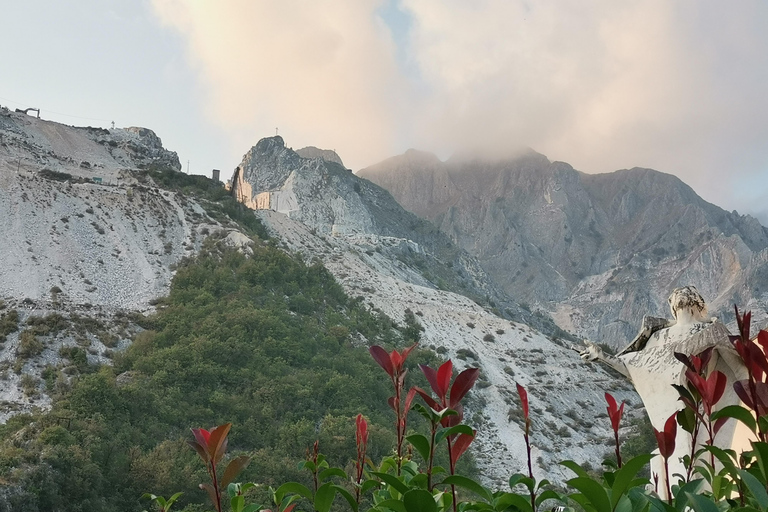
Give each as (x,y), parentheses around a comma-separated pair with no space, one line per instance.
(694,436)
(530,467)
(452,466)
(666,480)
(399,429)
(431,457)
(216,486)
(618,452)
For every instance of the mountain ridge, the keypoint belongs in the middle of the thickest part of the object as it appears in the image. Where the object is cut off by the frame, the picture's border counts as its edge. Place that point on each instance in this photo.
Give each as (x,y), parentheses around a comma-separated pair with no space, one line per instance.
(546,232)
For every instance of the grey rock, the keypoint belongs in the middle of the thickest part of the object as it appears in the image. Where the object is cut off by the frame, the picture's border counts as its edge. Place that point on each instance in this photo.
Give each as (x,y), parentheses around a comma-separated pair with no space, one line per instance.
(598,252)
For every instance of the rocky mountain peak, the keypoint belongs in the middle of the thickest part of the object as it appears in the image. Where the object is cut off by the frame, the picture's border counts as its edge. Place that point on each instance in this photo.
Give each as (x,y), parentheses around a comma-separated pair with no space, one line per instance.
(328,155)
(596,251)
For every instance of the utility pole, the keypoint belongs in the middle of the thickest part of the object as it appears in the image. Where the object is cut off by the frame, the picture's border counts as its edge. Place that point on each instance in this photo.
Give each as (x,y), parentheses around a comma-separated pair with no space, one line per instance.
(187,166)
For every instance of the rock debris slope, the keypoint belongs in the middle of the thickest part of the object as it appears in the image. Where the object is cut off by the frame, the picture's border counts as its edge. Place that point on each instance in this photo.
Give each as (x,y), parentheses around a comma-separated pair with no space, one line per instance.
(86,240)
(597,252)
(369,243)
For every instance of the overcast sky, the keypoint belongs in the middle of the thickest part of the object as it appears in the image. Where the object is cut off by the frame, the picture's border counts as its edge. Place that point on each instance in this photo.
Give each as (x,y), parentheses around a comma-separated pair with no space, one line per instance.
(678,86)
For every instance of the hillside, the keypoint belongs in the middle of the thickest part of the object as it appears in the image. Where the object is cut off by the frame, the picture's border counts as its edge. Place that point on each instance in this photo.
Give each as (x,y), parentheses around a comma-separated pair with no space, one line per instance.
(387,259)
(597,252)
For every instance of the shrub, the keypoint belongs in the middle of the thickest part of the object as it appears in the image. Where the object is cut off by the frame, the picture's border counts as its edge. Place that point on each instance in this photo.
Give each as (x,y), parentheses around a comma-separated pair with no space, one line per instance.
(29,345)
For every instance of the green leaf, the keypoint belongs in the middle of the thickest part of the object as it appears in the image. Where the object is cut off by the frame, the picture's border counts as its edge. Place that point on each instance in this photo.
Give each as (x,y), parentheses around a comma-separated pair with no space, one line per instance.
(327,473)
(549,494)
(594,492)
(755,488)
(700,503)
(324,497)
(395,505)
(726,458)
(292,487)
(507,499)
(367,485)
(575,468)
(681,498)
(470,485)
(761,452)
(392,481)
(308,465)
(428,414)
(237,503)
(624,477)
(519,478)
(347,496)
(623,504)
(419,500)
(419,481)
(252,508)
(421,444)
(173,499)
(457,429)
(737,412)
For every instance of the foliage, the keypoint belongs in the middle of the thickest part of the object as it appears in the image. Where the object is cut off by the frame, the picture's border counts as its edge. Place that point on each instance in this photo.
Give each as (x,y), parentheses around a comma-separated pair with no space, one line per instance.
(398,484)
(9,323)
(217,200)
(227,346)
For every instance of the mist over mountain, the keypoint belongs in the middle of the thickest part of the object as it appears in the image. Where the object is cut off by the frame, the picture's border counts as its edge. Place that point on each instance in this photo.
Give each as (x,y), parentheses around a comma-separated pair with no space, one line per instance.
(596,251)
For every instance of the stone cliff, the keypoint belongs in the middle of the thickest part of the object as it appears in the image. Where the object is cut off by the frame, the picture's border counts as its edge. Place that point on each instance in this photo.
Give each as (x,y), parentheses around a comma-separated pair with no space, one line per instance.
(596,251)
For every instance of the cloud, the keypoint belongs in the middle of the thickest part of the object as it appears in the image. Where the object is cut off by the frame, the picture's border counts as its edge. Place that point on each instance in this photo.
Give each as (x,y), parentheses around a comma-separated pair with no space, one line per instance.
(673,85)
(322,72)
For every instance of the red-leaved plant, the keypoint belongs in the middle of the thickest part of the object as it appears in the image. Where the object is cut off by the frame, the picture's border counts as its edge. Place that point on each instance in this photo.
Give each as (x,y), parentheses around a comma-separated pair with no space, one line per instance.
(754,390)
(361,441)
(211,446)
(448,399)
(615,413)
(666,442)
(392,363)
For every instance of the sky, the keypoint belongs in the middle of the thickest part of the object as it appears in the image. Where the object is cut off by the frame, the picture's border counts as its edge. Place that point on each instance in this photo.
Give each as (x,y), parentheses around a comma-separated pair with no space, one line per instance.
(680,86)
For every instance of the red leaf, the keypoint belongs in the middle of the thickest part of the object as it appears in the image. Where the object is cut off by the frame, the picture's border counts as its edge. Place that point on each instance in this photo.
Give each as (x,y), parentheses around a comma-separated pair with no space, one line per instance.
(408,351)
(444,374)
(741,388)
(719,424)
(382,357)
(523,399)
(361,433)
(762,339)
(211,494)
(431,376)
(704,358)
(391,402)
(716,382)
(201,451)
(461,444)
(684,359)
(234,467)
(666,439)
(397,361)
(409,399)
(463,383)
(217,441)
(290,507)
(614,412)
(428,399)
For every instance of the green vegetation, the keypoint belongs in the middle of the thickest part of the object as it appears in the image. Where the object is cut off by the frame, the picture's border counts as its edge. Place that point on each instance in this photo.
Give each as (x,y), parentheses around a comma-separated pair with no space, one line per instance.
(9,323)
(264,342)
(215,198)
